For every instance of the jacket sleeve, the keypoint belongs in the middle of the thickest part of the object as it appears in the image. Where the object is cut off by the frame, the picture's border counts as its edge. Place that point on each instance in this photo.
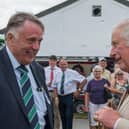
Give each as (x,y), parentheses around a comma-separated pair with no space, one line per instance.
(123,124)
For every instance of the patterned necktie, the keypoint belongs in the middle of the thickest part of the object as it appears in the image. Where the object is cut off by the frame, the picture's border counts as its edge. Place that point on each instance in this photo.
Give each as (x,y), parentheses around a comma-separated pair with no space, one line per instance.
(62,83)
(28,98)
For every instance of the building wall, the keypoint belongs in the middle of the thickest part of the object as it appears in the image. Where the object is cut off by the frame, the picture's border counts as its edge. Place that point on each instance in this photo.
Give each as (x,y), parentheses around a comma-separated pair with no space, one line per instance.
(73,31)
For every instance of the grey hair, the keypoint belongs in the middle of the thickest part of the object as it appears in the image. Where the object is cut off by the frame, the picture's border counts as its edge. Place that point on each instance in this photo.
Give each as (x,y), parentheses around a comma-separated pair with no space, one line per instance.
(18,19)
(97,68)
(125,30)
(125,34)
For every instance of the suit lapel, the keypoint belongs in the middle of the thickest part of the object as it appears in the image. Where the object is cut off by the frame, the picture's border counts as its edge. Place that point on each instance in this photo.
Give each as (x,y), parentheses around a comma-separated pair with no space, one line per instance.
(39,76)
(124,112)
(11,80)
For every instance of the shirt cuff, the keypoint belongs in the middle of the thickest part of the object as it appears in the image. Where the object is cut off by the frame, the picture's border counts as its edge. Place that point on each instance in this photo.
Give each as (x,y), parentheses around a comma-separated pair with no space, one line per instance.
(116,123)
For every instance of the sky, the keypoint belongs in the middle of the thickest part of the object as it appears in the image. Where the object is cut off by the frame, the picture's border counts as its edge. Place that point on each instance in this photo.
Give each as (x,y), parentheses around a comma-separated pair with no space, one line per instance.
(9,7)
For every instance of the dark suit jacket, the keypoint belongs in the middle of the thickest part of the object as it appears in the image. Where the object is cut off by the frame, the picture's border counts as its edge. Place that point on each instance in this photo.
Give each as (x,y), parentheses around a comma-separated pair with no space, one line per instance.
(12,110)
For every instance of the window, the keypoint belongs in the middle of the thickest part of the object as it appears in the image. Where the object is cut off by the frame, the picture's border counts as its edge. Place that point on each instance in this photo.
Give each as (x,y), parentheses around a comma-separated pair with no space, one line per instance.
(96,10)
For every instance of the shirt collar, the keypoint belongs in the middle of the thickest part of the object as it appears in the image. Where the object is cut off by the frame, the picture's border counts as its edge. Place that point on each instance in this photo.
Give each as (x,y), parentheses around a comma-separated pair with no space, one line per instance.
(14,61)
(53,67)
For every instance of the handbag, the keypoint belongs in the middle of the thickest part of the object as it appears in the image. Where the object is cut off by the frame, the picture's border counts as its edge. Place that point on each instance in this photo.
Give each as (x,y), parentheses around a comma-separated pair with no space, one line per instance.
(107,94)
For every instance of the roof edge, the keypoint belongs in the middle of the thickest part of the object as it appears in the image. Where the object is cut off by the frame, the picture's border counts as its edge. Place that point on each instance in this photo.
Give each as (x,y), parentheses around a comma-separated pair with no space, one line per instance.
(50,10)
(124,2)
(55,8)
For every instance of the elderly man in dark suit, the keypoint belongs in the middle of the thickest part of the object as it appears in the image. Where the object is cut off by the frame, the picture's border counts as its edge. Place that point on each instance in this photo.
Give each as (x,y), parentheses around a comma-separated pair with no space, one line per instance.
(24,100)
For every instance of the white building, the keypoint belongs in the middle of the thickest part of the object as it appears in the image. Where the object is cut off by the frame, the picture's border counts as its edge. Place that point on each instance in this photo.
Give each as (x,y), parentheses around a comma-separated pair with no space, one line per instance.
(78,29)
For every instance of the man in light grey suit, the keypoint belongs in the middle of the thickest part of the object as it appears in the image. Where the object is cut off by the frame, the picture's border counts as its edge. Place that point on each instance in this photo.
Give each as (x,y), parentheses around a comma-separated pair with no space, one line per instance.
(120,52)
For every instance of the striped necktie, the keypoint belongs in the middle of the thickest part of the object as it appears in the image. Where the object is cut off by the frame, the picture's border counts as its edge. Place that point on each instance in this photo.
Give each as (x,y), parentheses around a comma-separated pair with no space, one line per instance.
(28,98)
(62,83)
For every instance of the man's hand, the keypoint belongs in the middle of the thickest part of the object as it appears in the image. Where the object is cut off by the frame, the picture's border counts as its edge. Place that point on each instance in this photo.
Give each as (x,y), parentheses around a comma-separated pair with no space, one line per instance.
(76,94)
(49,84)
(107,116)
(85,108)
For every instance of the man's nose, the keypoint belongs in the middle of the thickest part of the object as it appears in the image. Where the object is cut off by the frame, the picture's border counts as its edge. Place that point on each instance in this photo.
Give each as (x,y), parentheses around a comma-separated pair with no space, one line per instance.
(112,52)
(36,45)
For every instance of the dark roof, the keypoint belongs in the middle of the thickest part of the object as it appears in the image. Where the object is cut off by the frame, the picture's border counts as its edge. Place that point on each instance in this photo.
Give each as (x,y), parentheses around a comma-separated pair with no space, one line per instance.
(50,10)
(55,8)
(124,2)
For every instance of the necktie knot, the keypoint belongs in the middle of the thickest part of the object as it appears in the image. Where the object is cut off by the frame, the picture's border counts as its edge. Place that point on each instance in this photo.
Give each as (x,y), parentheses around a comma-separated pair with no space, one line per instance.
(22,69)
(52,68)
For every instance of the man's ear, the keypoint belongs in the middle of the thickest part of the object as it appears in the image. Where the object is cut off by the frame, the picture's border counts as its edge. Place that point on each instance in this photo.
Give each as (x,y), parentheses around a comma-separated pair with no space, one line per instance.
(9,37)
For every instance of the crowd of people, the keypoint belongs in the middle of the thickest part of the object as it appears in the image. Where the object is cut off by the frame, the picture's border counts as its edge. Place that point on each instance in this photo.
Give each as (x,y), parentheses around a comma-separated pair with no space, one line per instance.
(34,97)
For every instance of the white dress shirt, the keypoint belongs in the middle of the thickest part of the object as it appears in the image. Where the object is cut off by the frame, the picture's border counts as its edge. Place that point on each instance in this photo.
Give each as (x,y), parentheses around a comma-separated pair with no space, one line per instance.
(56,70)
(70,82)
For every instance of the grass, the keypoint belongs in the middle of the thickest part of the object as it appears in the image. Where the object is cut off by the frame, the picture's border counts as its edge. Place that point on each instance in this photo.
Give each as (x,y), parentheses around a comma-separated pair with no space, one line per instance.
(80,115)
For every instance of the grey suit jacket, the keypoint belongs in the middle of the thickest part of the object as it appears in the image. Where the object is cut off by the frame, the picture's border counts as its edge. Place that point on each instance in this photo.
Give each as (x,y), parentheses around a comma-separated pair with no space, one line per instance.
(124,112)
